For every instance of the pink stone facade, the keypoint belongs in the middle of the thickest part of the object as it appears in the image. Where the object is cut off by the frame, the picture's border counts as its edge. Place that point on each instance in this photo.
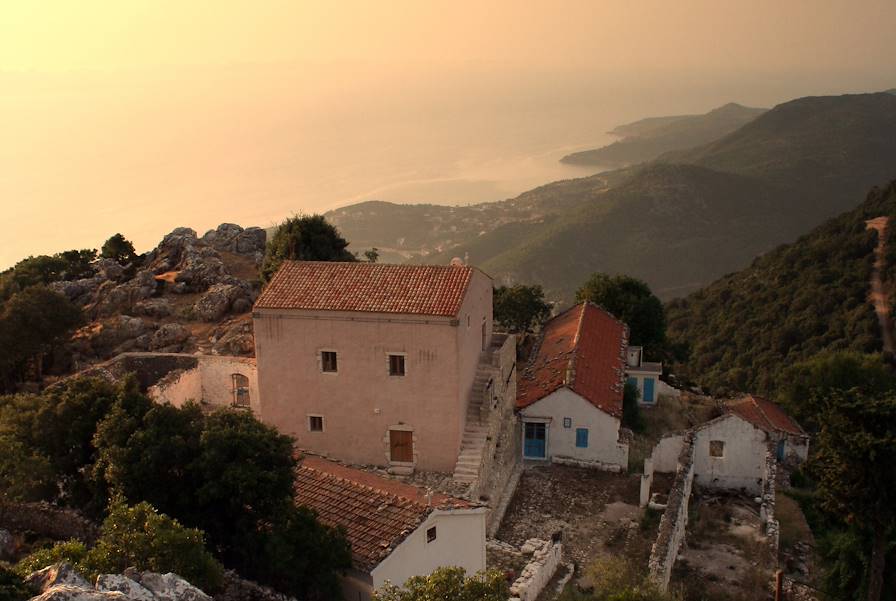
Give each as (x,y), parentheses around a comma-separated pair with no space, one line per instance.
(361,401)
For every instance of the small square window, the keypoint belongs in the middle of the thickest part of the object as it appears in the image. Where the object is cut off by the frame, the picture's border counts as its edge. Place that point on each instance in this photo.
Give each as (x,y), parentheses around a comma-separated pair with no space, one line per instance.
(567,422)
(315,423)
(396,365)
(431,534)
(716,448)
(328,361)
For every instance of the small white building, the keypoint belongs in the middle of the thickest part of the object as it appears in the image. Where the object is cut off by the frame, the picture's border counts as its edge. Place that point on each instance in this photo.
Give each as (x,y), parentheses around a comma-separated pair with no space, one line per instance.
(396,530)
(645,375)
(730,451)
(569,397)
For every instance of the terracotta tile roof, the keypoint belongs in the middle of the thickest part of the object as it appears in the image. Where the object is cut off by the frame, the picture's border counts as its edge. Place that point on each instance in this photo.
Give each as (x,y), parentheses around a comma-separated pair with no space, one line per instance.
(377,513)
(583,349)
(765,415)
(370,287)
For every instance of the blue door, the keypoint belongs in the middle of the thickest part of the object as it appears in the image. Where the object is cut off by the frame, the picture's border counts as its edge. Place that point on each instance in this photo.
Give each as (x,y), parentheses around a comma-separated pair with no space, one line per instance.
(535,440)
(648,390)
(779,452)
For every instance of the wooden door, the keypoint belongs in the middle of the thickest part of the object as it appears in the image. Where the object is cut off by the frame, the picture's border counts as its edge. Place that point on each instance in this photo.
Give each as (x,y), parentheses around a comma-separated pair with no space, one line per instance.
(401,446)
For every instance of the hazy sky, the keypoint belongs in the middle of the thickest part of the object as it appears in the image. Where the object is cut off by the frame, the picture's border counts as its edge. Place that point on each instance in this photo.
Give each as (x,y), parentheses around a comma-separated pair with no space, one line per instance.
(140,116)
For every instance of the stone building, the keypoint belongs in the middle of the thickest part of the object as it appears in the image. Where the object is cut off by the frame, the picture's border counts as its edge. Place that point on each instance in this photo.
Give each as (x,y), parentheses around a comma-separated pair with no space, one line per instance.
(376,364)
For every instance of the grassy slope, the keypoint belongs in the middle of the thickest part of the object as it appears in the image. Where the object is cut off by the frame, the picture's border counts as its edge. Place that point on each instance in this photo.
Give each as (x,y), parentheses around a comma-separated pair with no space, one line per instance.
(799,300)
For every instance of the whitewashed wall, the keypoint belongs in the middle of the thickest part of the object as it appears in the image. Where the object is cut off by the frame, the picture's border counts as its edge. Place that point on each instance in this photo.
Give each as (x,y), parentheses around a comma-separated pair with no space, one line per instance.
(460,541)
(665,454)
(211,382)
(743,462)
(603,428)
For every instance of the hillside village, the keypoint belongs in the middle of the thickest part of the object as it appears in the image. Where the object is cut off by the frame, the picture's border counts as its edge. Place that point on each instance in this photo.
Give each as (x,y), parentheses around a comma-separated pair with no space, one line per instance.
(436,440)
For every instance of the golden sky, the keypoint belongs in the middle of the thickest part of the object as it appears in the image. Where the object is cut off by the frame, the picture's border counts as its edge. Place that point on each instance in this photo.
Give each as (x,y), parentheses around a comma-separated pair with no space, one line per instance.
(678,34)
(139,116)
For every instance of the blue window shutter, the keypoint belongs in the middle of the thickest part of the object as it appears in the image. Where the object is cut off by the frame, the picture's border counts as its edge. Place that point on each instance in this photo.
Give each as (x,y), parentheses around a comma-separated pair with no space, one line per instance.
(582,438)
(648,390)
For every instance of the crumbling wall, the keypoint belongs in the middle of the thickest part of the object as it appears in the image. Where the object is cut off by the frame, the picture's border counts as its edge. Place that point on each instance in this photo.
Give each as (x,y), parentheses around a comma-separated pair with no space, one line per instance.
(177,388)
(664,456)
(209,381)
(546,558)
(499,469)
(767,508)
(674,522)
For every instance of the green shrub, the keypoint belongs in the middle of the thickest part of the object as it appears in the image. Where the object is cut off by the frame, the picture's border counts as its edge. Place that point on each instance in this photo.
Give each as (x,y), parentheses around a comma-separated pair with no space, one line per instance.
(12,588)
(71,551)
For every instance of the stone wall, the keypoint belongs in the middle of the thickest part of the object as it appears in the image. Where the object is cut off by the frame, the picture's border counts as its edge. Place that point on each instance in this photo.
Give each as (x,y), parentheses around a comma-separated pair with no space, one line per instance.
(546,558)
(499,469)
(47,521)
(209,381)
(674,522)
(767,508)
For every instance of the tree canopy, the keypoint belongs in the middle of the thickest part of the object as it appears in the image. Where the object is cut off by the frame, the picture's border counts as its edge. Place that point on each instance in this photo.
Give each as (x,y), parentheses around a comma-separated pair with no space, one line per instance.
(520,308)
(118,248)
(448,583)
(630,300)
(305,238)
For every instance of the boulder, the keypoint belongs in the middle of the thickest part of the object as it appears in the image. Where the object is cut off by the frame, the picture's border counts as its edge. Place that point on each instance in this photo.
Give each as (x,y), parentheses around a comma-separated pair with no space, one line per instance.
(171,587)
(216,302)
(250,241)
(154,307)
(169,334)
(67,592)
(80,291)
(234,338)
(57,574)
(110,269)
(131,589)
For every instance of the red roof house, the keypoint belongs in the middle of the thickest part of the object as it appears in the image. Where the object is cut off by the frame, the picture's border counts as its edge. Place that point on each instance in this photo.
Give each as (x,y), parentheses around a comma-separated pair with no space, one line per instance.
(569,395)
(396,530)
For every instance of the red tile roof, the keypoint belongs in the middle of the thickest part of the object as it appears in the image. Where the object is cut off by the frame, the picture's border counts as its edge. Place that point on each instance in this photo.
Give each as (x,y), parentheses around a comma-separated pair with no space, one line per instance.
(377,513)
(583,349)
(765,415)
(370,287)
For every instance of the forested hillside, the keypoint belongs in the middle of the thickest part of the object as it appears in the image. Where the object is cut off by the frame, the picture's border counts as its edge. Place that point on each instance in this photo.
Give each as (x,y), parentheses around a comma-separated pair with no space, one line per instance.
(747,328)
(647,139)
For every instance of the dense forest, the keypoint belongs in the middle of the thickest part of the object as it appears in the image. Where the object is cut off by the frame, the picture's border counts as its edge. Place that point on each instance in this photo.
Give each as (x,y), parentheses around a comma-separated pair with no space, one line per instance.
(747,328)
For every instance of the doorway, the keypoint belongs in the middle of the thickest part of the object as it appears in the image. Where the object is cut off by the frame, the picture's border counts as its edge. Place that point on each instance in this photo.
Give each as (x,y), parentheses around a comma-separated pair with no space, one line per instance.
(535,440)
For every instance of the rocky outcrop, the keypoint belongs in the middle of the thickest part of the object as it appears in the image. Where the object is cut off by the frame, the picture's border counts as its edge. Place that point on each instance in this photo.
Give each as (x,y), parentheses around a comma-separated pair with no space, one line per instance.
(60,582)
(232,238)
(220,299)
(234,338)
(169,338)
(47,521)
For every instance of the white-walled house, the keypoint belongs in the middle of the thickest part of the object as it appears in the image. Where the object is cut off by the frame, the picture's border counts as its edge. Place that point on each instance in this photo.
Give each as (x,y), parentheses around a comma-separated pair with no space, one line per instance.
(645,375)
(730,451)
(569,397)
(396,530)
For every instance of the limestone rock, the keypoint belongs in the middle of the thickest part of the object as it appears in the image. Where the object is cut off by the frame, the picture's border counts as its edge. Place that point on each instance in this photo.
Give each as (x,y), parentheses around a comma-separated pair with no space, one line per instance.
(168,335)
(154,307)
(217,300)
(110,269)
(171,587)
(252,240)
(57,574)
(67,592)
(132,589)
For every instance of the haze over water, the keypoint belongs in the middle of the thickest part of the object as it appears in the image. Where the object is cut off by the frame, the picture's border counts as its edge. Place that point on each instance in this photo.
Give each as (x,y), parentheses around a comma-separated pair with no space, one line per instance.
(124,137)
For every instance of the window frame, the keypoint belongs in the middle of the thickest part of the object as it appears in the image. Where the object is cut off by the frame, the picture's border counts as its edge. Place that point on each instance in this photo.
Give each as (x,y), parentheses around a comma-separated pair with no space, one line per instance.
(311,418)
(238,390)
(322,364)
(567,422)
(721,447)
(431,534)
(404,364)
(579,438)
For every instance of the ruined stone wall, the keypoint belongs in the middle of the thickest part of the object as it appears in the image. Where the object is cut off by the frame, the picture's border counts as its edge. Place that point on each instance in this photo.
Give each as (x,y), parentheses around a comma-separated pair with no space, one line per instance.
(767,509)
(501,455)
(210,381)
(674,522)
(546,558)
(665,454)
(47,521)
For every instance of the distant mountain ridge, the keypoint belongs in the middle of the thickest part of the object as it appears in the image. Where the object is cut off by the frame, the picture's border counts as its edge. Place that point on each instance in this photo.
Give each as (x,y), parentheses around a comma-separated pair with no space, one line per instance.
(647,139)
(679,222)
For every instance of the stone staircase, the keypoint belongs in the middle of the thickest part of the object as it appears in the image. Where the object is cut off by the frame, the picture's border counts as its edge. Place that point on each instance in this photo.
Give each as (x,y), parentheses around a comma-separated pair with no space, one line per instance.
(476,431)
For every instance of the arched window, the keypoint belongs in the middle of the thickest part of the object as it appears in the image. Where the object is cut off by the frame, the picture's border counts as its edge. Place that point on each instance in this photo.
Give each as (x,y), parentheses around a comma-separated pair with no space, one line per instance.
(240,390)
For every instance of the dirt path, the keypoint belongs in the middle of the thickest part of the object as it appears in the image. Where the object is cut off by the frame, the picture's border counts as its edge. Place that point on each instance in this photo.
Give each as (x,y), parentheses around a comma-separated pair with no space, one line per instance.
(878,296)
